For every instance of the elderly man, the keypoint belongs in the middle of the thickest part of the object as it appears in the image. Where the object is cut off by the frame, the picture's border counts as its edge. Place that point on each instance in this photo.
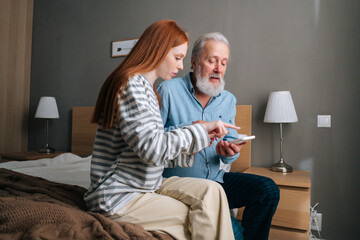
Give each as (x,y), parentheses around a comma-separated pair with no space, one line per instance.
(200,96)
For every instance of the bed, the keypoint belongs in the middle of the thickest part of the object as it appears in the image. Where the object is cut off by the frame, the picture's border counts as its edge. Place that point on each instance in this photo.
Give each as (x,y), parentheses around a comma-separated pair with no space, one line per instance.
(42,199)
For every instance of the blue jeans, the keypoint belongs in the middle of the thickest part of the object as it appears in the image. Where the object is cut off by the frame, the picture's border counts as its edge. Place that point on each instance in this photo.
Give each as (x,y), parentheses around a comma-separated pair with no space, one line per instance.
(260,197)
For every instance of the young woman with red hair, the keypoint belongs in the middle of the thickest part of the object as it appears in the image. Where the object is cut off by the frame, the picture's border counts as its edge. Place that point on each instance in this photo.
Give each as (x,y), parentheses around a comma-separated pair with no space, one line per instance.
(131,148)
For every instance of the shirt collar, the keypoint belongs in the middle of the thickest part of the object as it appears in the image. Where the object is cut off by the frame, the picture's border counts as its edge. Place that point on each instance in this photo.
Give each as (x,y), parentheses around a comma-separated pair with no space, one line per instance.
(188,83)
(146,81)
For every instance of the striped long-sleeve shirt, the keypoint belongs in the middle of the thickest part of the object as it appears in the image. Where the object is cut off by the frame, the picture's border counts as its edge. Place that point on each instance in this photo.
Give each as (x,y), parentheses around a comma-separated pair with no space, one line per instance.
(129,157)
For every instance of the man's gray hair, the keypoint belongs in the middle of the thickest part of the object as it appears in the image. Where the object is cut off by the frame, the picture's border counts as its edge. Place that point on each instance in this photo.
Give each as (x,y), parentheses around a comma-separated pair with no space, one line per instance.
(200,42)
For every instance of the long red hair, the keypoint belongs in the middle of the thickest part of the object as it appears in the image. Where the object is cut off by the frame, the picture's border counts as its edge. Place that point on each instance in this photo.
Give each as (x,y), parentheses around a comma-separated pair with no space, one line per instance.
(147,54)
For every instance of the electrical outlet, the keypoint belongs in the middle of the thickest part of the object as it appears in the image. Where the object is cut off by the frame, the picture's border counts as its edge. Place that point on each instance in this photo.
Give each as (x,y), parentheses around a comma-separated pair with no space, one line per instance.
(315,221)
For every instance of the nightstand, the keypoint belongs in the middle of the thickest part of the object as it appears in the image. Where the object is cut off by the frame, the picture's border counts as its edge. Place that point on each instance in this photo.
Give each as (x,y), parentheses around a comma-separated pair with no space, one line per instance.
(25,156)
(292,217)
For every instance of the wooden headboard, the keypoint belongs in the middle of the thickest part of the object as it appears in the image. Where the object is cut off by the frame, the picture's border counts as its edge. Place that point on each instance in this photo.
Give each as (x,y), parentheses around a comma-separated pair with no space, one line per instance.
(243,120)
(83,134)
(83,131)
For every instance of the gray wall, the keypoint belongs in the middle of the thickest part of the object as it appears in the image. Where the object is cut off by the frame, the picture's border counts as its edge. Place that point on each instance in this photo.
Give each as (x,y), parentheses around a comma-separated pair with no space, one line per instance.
(309,47)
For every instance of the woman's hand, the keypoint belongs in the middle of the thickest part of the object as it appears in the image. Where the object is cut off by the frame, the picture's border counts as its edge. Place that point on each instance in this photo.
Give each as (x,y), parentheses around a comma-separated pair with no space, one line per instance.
(217,129)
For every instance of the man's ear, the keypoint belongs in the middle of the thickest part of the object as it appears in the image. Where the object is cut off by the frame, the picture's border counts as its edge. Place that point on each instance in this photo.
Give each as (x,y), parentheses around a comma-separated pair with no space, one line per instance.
(193,61)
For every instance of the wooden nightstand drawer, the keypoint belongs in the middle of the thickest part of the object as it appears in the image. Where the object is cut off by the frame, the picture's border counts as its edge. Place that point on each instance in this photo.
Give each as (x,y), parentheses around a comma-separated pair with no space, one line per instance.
(292,217)
(277,233)
(293,209)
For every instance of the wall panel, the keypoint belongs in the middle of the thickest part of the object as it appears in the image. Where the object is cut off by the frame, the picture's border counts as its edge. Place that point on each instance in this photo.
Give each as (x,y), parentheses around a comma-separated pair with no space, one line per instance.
(15,56)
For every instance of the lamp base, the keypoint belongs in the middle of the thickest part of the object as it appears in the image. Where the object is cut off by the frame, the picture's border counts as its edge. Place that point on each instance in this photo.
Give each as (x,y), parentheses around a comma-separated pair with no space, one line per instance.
(281,167)
(47,149)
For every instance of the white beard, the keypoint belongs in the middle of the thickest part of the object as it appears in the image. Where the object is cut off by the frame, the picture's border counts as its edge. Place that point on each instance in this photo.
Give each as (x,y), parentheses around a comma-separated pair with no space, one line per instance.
(206,87)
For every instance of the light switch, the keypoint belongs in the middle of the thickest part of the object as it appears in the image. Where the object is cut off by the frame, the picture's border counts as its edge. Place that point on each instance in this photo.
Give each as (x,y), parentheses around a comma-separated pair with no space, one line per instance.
(324,121)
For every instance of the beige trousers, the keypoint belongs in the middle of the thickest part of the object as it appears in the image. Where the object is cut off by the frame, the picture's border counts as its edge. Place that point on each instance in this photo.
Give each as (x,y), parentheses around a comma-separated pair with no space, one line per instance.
(185,208)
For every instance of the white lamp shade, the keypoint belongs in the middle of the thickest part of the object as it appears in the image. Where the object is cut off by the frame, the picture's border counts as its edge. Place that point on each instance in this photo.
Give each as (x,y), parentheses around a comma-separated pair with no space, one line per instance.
(280,108)
(47,108)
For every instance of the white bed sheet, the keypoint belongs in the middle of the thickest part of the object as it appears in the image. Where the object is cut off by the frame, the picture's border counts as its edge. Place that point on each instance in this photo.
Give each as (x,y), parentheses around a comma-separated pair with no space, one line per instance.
(66,168)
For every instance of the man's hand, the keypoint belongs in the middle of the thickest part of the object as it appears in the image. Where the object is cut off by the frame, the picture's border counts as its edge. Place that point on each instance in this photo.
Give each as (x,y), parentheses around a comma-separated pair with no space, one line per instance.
(227,149)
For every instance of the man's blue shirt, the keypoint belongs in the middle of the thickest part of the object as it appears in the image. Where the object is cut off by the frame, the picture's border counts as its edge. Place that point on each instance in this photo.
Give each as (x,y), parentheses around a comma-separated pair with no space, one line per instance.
(179,107)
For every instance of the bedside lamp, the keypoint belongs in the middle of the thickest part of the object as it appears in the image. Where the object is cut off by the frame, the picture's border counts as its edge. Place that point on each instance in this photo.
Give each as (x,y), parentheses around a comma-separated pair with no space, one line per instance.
(280,109)
(47,109)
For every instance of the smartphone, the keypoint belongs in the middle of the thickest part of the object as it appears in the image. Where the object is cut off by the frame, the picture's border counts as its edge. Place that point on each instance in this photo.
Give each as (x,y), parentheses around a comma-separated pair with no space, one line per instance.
(242,139)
